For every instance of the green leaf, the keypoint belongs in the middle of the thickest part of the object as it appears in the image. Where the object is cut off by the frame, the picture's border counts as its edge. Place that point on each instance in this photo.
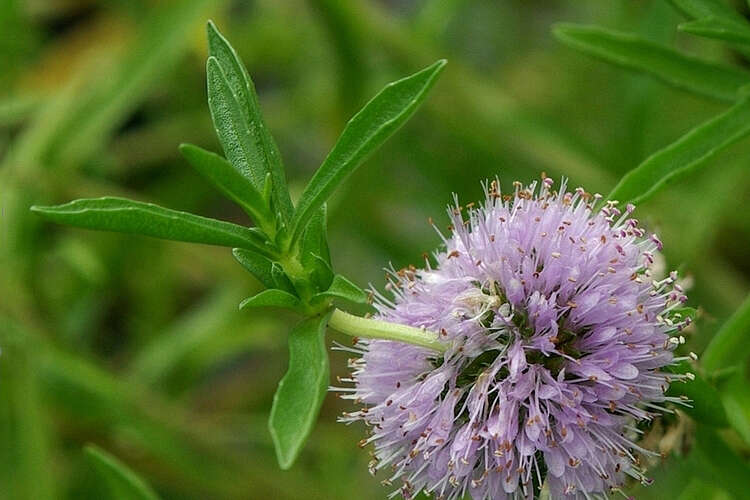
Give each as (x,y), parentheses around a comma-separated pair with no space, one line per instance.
(718,464)
(271,298)
(365,132)
(167,352)
(258,265)
(256,152)
(706,8)
(690,151)
(731,345)
(635,53)
(229,181)
(342,288)
(314,252)
(128,216)
(163,36)
(25,431)
(314,240)
(718,28)
(736,398)
(301,392)
(280,279)
(123,483)
(705,402)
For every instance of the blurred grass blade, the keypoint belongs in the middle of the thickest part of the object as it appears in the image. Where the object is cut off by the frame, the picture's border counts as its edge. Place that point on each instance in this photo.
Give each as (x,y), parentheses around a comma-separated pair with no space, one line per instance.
(718,28)
(24,460)
(271,298)
(128,216)
(346,39)
(718,464)
(233,184)
(161,354)
(638,54)
(731,345)
(15,108)
(688,152)
(258,265)
(736,398)
(365,132)
(264,156)
(123,483)
(159,43)
(706,8)
(301,392)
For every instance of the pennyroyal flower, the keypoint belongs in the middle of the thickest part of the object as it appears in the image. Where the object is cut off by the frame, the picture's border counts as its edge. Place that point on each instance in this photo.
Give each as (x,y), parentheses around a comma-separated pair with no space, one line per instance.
(557,336)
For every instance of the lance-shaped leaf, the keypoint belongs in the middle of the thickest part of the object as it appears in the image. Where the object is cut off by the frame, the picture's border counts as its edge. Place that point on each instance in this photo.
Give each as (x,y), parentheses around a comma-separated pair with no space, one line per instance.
(239,123)
(280,279)
(258,265)
(128,216)
(635,53)
(314,252)
(300,393)
(736,397)
(342,288)
(718,28)
(718,464)
(689,152)
(272,298)
(366,131)
(731,344)
(229,181)
(707,8)
(122,482)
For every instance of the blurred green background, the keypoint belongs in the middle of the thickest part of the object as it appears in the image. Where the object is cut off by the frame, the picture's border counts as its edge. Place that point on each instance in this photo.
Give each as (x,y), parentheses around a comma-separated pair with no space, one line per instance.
(137,345)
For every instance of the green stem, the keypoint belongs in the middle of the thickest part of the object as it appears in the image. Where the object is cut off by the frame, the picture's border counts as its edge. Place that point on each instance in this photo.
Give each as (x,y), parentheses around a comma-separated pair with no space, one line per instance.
(375,329)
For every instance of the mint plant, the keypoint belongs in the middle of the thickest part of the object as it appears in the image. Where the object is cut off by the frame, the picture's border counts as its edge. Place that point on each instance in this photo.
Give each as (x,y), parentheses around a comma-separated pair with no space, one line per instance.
(286,250)
(559,372)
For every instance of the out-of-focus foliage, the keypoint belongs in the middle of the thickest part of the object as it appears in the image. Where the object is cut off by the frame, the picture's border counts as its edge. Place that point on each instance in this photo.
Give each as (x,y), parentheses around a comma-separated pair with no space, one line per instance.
(138,346)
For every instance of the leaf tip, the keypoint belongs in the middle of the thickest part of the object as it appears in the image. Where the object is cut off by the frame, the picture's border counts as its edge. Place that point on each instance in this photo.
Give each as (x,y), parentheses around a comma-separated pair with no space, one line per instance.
(565,31)
(211,28)
(185,149)
(90,449)
(285,458)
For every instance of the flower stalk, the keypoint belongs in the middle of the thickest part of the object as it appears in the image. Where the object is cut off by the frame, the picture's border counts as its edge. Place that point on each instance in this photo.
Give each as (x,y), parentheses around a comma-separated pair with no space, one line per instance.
(376,329)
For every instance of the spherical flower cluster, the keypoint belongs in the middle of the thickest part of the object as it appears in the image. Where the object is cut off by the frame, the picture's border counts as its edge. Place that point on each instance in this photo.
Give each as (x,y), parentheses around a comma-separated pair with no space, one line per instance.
(556,335)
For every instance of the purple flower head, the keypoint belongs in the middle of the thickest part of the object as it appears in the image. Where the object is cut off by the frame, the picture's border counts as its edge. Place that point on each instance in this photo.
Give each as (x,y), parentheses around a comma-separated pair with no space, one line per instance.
(556,335)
